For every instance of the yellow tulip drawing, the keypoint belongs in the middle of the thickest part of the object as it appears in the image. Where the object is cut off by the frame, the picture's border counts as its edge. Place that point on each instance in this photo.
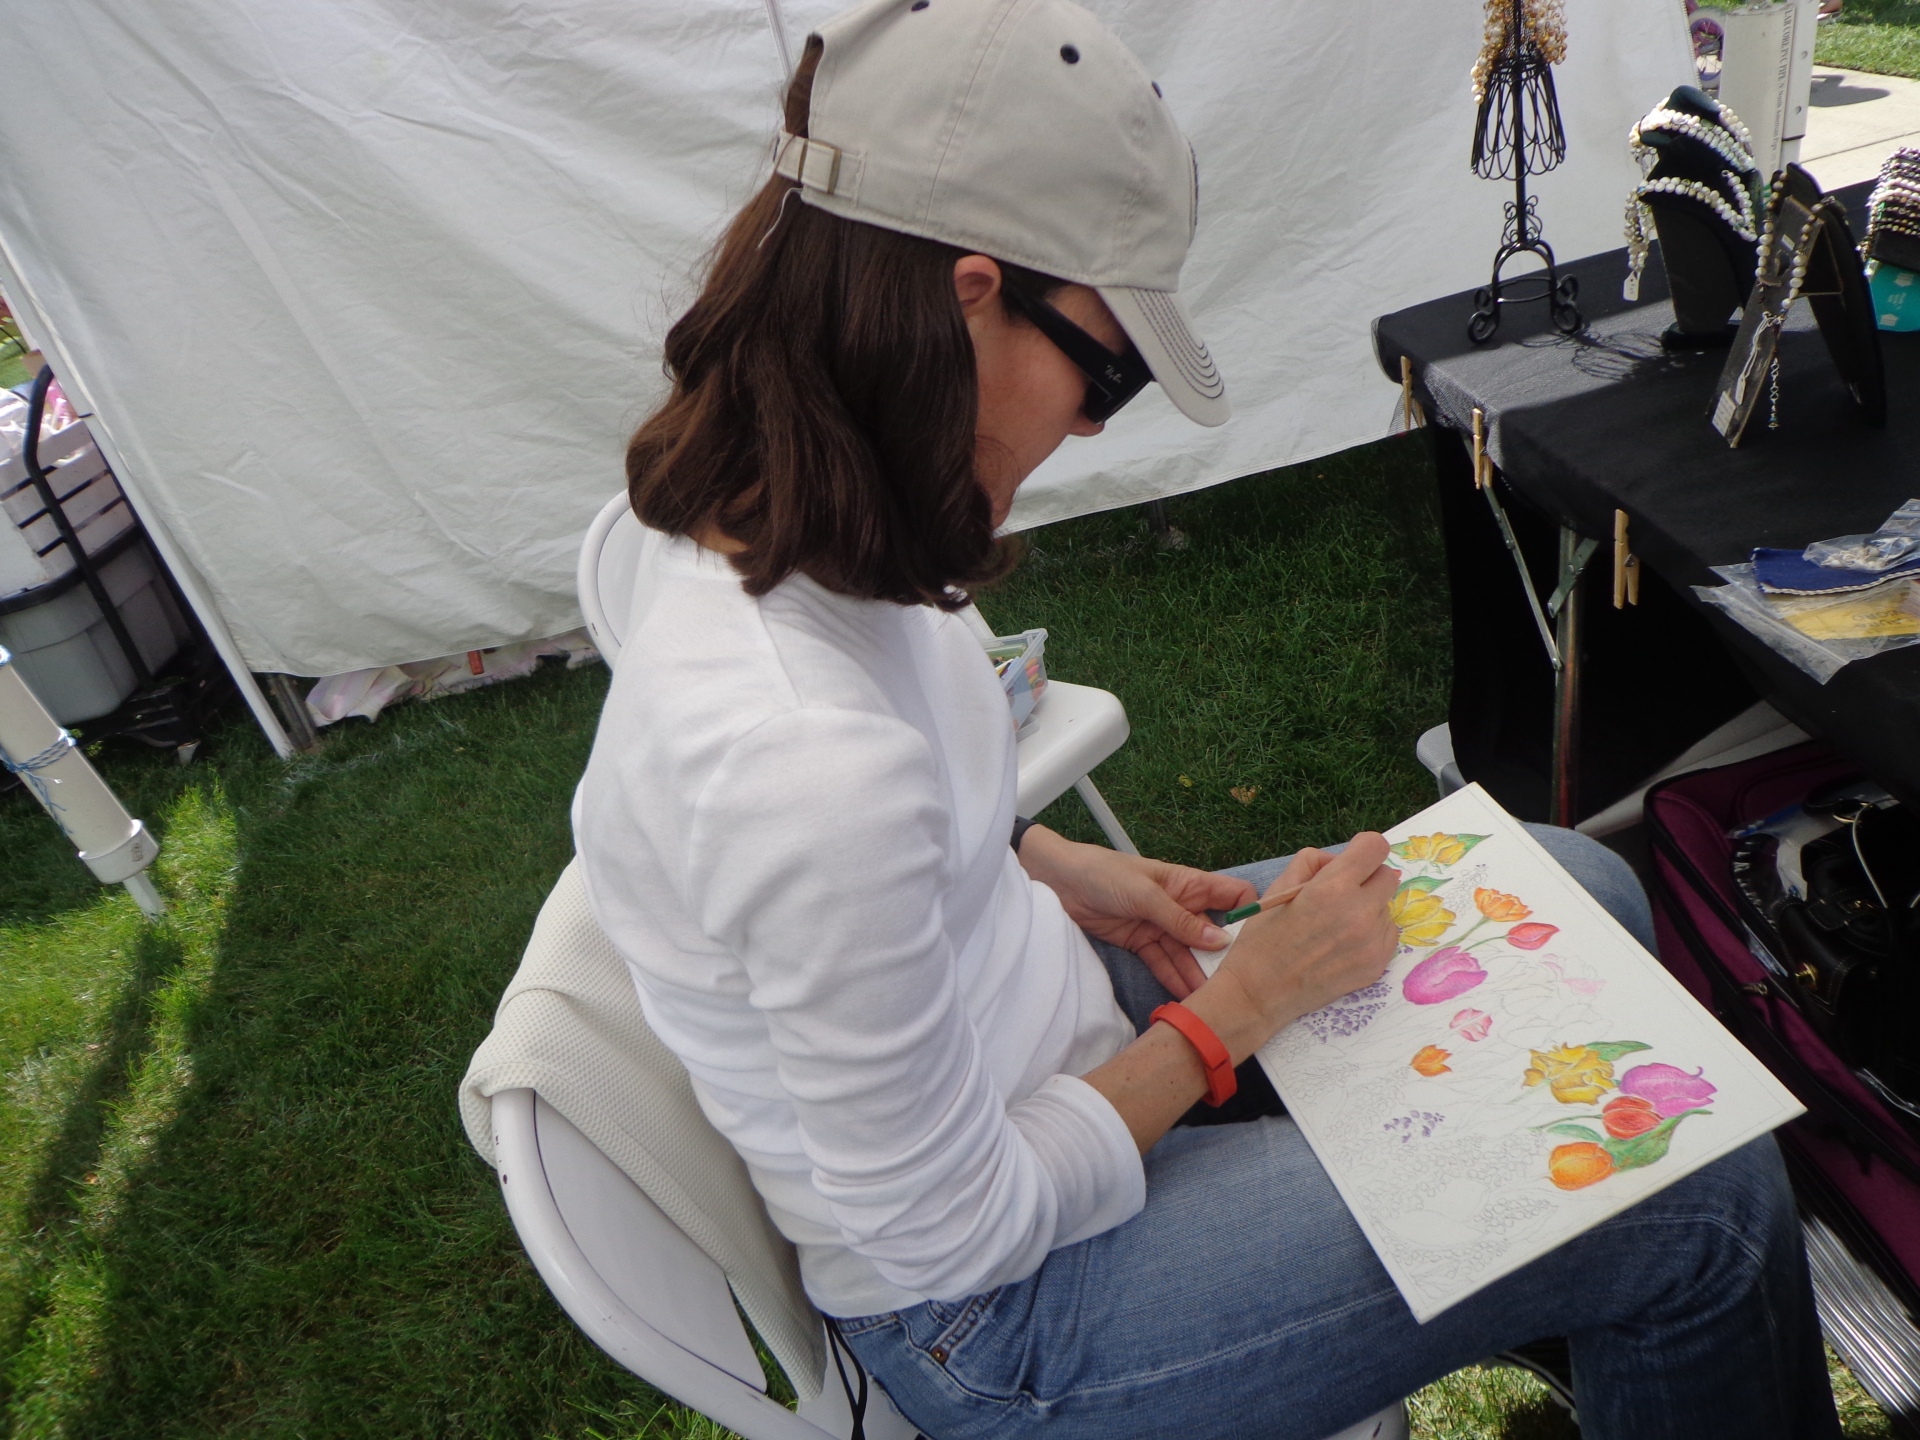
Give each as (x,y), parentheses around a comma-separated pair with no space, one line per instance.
(1421,917)
(1575,1074)
(1434,849)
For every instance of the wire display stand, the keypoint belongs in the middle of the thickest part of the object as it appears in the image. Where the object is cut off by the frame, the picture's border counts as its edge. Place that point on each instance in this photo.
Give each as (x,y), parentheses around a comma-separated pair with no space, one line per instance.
(1516,134)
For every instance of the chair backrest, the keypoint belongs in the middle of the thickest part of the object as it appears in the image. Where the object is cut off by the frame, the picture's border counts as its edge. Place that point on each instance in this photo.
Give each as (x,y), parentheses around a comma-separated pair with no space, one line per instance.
(631,1279)
(637,1213)
(570,1027)
(609,559)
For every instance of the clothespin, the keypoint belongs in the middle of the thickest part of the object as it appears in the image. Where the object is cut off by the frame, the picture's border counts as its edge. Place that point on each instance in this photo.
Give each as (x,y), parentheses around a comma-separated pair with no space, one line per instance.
(1481,466)
(1626,565)
(1411,415)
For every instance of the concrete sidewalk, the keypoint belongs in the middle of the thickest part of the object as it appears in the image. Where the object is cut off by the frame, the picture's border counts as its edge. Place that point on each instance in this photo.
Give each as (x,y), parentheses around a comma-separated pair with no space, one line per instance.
(1857,120)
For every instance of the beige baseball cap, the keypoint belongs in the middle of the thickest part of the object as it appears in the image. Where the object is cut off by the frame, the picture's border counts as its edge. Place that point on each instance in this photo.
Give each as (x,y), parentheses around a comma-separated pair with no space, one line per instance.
(1022,129)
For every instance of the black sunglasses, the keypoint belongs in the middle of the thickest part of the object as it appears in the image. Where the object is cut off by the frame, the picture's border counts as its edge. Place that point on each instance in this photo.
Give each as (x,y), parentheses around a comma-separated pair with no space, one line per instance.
(1112,380)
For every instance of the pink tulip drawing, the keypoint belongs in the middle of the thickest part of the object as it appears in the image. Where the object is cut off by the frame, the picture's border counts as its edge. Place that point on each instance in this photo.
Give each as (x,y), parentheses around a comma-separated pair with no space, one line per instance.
(1670,1090)
(1575,983)
(1472,1024)
(1531,936)
(1442,976)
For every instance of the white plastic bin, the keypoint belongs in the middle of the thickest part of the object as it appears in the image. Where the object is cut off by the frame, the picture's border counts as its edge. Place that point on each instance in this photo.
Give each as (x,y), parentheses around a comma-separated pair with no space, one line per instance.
(31,554)
(66,652)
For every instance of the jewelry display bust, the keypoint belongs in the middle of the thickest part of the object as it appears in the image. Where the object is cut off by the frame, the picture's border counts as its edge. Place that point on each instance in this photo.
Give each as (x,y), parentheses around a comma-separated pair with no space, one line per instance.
(1702,196)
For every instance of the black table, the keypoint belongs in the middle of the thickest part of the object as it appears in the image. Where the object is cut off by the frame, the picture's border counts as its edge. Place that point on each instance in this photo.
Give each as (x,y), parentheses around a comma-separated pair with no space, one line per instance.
(1579,426)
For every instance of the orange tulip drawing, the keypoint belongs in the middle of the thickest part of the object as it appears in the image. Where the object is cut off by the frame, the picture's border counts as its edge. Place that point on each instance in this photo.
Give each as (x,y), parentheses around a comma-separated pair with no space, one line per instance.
(1576,1166)
(1432,1060)
(1500,908)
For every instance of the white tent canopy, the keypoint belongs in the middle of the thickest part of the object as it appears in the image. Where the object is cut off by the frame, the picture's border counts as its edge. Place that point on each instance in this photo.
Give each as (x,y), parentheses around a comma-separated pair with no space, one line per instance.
(366,295)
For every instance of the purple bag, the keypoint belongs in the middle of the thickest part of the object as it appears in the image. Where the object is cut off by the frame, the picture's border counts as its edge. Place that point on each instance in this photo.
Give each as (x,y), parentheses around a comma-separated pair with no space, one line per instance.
(1855,1163)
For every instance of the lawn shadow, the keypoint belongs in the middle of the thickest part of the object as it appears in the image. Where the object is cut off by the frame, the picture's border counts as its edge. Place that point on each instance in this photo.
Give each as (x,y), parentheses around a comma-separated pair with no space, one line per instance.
(303,1243)
(1538,1419)
(51,1197)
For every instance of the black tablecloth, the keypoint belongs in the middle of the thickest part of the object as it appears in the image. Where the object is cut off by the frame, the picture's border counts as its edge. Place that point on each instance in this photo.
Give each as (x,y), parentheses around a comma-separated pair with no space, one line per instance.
(1581,425)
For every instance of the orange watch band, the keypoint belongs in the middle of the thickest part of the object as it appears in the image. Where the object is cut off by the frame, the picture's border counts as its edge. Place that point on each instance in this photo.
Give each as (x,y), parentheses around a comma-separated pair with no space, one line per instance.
(1221,1081)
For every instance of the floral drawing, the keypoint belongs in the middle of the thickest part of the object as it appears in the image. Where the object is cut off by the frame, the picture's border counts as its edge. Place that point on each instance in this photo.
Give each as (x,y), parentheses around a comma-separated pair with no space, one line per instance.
(1578,1074)
(1669,1089)
(1432,1060)
(1472,1024)
(1626,1116)
(1638,1123)
(1421,917)
(1443,975)
(1441,850)
(1415,1124)
(1580,985)
(1424,919)
(1576,1166)
(1348,1015)
(1499,908)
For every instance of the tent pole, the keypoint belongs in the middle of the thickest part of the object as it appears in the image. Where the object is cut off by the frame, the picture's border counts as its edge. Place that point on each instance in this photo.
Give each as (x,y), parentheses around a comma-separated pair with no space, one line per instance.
(22,298)
(778,23)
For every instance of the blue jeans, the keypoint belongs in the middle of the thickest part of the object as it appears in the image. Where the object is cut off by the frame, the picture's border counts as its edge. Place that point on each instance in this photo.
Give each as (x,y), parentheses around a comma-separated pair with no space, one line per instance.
(1243,1301)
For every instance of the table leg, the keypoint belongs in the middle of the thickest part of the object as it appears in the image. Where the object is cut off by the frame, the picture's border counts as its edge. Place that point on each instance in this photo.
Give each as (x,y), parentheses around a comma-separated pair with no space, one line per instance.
(1566,682)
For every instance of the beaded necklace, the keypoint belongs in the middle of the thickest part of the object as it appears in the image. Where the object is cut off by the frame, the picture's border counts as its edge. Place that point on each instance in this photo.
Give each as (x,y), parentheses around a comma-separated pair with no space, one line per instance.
(1894,205)
(1544,22)
(1727,138)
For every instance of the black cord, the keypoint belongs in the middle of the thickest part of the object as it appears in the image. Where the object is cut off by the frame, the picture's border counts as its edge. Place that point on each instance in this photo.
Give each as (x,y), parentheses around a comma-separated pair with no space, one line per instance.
(858,1406)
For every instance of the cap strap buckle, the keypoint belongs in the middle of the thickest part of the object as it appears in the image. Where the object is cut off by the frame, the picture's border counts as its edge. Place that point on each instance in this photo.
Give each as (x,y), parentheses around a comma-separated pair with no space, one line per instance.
(815,164)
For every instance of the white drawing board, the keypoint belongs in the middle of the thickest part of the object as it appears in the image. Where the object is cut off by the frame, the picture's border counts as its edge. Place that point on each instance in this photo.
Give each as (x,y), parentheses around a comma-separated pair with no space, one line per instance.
(1523,1071)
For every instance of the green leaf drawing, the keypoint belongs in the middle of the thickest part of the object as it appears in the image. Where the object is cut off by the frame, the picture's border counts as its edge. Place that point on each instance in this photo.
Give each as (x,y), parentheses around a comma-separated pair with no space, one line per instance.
(1640,1150)
(1577,1132)
(1614,1049)
(1425,883)
(1469,840)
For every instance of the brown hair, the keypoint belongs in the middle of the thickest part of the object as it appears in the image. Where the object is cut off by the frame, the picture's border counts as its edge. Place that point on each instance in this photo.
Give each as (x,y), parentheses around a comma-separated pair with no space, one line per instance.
(824,406)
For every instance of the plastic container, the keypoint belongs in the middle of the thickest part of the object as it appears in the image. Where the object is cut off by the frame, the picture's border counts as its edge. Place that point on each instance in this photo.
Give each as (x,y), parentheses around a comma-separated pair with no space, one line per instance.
(1023,670)
(66,652)
(31,554)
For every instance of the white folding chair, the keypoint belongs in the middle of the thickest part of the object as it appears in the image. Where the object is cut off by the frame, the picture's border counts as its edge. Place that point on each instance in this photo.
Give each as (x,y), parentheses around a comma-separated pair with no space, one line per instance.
(570,1030)
(642,1291)
(1071,730)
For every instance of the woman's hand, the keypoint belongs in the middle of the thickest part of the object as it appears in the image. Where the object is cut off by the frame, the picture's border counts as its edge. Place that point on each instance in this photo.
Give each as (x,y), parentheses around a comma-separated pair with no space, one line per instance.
(1334,937)
(1147,906)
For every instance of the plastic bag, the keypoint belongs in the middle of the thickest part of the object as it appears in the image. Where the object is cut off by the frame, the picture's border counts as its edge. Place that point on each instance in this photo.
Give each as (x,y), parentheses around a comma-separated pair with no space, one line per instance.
(1816,632)
(1895,541)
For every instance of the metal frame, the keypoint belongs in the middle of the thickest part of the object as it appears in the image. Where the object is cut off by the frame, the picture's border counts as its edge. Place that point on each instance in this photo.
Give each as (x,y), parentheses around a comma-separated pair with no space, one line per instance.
(1560,621)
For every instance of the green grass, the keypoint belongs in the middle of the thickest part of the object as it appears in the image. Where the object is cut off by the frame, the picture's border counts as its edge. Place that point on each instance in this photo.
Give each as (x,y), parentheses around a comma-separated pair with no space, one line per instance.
(1882,36)
(1878,35)
(235,1198)
(1293,649)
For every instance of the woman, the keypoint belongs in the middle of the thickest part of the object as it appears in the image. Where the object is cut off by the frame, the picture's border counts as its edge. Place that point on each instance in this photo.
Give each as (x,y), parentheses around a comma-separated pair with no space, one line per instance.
(933,1049)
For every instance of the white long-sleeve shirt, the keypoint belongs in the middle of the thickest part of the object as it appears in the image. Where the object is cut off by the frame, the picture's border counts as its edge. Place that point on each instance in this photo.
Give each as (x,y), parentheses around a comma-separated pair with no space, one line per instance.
(794,828)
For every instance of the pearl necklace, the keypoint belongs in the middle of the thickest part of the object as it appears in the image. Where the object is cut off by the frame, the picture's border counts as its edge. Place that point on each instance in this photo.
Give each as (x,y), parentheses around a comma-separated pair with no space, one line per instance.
(1728,139)
(1640,217)
(1542,21)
